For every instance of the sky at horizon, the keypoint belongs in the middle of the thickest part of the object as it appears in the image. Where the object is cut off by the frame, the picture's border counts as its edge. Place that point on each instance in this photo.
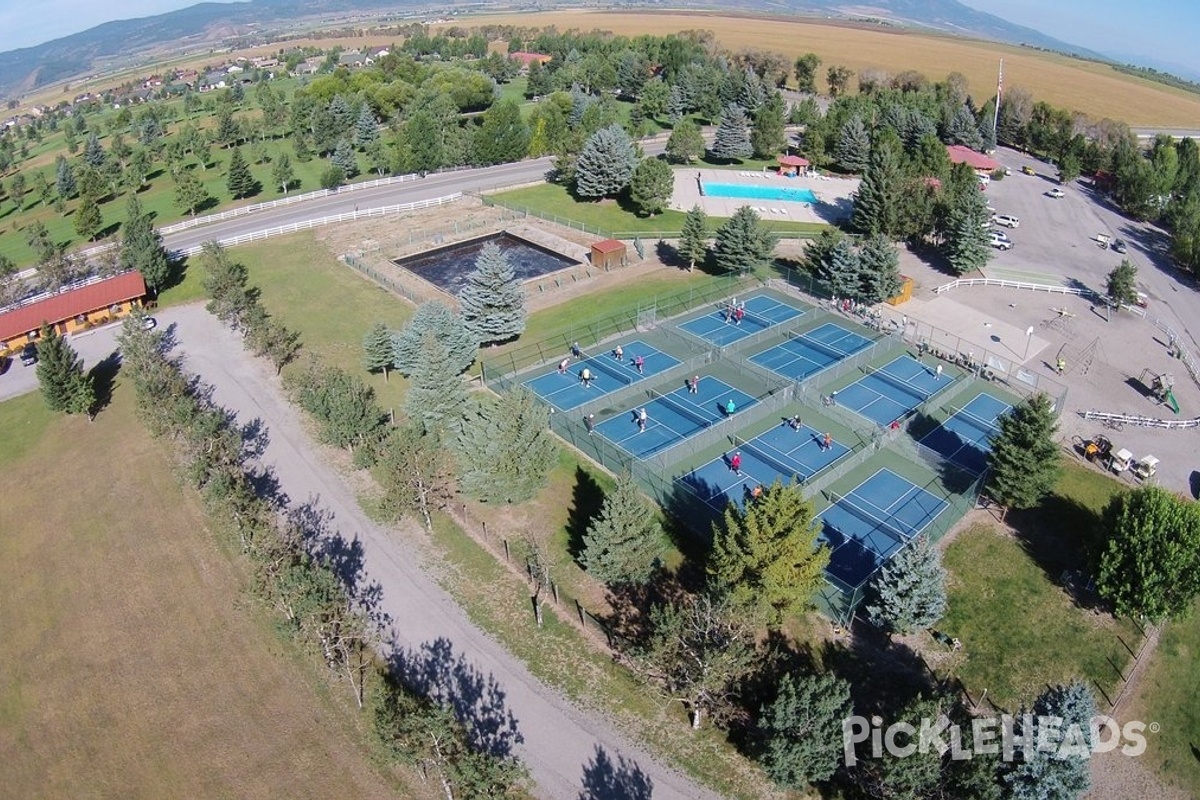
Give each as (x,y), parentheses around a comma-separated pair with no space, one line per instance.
(1151,32)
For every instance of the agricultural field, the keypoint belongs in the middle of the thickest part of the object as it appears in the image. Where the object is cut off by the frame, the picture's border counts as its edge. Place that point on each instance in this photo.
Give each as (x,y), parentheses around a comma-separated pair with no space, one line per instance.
(1089,87)
(136,663)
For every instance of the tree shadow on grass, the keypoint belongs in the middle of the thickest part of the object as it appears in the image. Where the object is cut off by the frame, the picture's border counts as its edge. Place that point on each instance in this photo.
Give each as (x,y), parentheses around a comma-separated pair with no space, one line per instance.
(604,779)
(884,674)
(1064,538)
(586,500)
(104,379)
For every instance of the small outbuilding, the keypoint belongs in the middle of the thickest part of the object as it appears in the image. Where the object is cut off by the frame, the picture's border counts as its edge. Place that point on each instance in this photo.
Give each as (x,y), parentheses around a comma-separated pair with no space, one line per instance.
(791,166)
(609,253)
(960,154)
(906,290)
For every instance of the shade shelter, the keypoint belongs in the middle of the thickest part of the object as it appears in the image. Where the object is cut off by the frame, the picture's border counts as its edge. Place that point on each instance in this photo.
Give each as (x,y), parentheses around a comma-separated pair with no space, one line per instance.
(791,166)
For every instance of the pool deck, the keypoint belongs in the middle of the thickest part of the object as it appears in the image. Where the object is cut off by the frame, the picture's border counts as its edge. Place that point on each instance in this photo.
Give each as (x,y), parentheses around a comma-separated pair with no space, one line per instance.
(833,204)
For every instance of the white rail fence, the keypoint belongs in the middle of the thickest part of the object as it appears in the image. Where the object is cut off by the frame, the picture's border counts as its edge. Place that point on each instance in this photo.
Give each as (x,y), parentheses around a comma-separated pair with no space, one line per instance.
(314,223)
(1175,341)
(1139,420)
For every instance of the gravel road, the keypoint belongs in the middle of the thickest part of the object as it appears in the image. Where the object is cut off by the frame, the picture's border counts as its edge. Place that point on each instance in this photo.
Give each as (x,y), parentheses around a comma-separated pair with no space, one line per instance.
(560,742)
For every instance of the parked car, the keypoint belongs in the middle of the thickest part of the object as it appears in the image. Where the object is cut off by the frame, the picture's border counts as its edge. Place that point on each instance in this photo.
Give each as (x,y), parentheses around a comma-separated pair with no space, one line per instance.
(999,234)
(1119,246)
(1029,170)
(1007,220)
(1000,241)
(1055,192)
(149,323)
(29,354)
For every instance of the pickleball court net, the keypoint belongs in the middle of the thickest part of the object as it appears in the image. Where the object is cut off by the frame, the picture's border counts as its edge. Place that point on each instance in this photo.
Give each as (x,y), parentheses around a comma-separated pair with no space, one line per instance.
(827,349)
(681,409)
(609,370)
(759,453)
(843,501)
(904,386)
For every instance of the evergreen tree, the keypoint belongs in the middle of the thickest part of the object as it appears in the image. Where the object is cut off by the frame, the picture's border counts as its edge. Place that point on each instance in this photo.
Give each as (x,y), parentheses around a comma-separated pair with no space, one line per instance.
(366,128)
(447,327)
(802,729)
(64,181)
(17,190)
(344,159)
(623,545)
(743,245)
(806,72)
(766,557)
(654,96)
(240,182)
(437,397)
(423,137)
(606,164)
(1054,762)
(652,185)
(1150,565)
(879,199)
(343,405)
(88,220)
(1024,460)
(878,270)
(492,302)
(379,349)
(967,244)
(227,284)
(686,142)
(910,589)
(142,248)
(677,105)
(732,139)
(841,271)
(227,132)
(963,129)
(282,174)
(538,81)
(853,149)
(1122,284)
(693,239)
(190,193)
(503,137)
(768,137)
(507,448)
(93,152)
(65,386)
(818,251)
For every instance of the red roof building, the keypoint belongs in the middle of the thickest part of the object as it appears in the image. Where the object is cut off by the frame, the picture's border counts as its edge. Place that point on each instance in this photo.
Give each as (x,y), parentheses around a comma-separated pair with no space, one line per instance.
(965,155)
(609,253)
(73,310)
(528,58)
(791,165)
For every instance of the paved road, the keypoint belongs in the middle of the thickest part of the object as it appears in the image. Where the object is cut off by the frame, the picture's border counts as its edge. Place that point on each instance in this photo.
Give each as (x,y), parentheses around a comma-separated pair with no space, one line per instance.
(560,741)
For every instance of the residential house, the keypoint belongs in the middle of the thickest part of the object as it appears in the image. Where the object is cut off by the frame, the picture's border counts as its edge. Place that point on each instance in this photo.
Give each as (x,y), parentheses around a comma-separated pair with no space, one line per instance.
(74,309)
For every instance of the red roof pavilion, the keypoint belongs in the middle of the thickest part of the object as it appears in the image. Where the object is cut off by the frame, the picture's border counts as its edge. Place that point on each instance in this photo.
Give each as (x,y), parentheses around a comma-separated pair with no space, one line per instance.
(965,155)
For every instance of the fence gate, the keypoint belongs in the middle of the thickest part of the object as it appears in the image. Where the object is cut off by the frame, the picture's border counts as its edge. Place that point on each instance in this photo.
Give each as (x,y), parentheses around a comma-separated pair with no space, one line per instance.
(647,318)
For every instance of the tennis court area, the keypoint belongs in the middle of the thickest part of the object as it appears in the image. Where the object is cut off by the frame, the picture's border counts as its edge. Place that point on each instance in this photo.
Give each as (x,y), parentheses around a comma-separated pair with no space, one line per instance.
(805,354)
(870,524)
(673,417)
(783,453)
(965,437)
(891,391)
(721,326)
(566,391)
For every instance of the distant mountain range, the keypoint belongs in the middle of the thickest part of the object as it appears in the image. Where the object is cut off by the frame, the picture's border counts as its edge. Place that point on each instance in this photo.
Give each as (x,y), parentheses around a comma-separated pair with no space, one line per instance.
(28,68)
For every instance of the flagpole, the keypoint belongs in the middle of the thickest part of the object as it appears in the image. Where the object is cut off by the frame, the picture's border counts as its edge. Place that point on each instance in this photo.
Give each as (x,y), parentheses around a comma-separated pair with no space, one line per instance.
(999,89)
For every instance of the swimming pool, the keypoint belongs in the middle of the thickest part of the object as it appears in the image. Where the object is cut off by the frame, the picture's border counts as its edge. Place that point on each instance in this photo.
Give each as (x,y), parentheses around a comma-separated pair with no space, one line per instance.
(749,192)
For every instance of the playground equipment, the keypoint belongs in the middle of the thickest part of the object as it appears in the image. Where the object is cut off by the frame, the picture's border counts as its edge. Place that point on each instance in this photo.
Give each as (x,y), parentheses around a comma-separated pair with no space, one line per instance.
(1162,388)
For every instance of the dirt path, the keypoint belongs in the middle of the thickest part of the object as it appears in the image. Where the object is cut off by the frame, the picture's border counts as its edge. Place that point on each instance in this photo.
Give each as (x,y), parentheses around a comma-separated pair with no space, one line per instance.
(560,742)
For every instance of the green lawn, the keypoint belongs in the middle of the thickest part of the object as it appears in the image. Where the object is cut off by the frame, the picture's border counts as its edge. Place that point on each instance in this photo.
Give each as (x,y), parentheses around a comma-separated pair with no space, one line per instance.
(1020,629)
(552,201)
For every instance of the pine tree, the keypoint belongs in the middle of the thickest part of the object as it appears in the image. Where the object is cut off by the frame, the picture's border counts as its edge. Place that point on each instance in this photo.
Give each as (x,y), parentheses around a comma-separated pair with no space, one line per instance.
(693,239)
(506,447)
(652,186)
(910,589)
(623,545)
(802,729)
(732,139)
(766,557)
(878,270)
(88,220)
(65,386)
(142,248)
(344,159)
(190,193)
(743,245)
(1054,762)
(447,327)
(853,149)
(818,251)
(437,397)
(240,182)
(93,152)
(677,105)
(64,181)
(879,199)
(768,136)
(503,137)
(379,349)
(1122,284)
(686,142)
(1024,460)
(964,129)
(967,246)
(606,164)
(282,174)
(841,271)
(492,302)
(366,128)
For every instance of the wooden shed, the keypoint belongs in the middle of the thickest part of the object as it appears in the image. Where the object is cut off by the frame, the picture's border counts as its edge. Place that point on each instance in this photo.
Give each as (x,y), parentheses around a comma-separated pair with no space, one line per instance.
(609,253)
(906,287)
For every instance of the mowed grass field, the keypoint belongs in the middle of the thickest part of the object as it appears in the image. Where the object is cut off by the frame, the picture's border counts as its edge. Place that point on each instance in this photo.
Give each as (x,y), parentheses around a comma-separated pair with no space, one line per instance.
(1093,88)
(135,663)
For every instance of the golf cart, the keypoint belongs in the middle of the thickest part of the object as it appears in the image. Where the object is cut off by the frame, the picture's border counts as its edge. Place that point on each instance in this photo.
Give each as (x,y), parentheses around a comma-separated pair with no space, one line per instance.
(1145,468)
(1120,461)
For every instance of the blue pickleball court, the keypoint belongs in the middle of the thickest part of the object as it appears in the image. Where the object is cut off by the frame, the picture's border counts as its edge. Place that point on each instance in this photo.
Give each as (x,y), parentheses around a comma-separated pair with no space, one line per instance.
(566,391)
(720,328)
(965,438)
(673,417)
(893,390)
(806,354)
